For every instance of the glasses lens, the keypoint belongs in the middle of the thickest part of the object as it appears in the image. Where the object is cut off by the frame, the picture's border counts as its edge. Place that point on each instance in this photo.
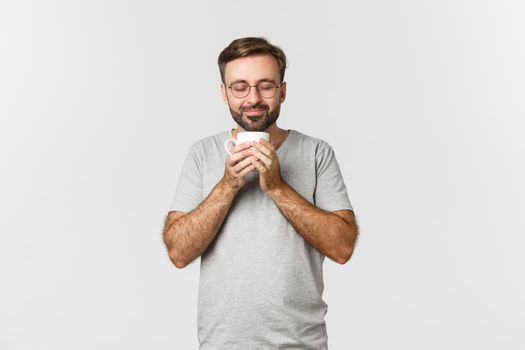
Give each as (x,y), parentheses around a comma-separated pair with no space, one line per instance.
(266,89)
(240,90)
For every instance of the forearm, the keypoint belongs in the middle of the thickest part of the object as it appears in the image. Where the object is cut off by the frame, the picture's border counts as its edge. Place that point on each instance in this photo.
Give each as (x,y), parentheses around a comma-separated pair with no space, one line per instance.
(189,236)
(328,233)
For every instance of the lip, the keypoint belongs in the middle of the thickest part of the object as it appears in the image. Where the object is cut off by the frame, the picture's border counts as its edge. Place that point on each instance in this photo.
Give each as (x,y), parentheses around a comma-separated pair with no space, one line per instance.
(254,112)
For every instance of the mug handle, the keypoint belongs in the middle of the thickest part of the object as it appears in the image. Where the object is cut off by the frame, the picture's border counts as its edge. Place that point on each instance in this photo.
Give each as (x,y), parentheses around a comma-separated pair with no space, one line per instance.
(226,145)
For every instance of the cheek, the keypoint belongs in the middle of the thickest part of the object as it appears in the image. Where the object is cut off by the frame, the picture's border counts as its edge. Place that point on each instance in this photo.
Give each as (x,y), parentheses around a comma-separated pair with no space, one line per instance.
(235,105)
(273,104)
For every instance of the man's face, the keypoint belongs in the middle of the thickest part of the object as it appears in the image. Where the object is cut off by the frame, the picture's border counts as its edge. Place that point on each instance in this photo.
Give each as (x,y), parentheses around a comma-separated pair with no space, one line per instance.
(253,112)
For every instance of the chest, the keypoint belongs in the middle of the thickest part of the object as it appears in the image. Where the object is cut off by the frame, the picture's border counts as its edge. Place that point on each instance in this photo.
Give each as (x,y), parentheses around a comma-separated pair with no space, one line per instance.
(298,171)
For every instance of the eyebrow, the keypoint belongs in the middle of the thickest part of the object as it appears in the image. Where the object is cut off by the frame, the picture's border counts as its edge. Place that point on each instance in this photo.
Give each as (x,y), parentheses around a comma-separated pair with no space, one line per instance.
(259,81)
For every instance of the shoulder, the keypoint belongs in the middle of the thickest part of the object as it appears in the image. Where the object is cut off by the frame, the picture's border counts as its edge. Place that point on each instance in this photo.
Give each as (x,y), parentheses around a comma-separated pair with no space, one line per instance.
(199,147)
(314,144)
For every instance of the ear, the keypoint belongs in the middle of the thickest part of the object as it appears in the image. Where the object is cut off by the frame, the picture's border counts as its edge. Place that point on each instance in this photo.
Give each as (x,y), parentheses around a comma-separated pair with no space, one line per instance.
(223,92)
(283,92)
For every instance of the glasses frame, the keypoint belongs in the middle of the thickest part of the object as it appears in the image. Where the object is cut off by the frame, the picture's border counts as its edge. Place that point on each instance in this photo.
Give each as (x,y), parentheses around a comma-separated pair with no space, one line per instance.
(256,89)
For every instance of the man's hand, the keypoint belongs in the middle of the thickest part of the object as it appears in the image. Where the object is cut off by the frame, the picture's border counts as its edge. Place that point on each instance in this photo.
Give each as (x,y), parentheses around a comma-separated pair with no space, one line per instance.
(267,163)
(238,165)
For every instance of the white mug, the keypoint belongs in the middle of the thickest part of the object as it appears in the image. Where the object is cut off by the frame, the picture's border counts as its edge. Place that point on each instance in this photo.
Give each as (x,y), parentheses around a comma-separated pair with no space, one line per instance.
(246,136)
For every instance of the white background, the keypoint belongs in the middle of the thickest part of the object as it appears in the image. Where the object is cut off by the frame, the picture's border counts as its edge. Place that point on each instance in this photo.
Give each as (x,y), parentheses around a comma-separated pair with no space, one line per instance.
(423,102)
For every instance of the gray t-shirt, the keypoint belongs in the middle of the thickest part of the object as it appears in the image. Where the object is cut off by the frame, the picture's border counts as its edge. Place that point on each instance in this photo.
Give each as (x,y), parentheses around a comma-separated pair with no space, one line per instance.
(261,282)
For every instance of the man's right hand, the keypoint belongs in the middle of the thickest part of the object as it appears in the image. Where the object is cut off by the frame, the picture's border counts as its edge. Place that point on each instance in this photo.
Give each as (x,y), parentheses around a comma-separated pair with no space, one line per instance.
(238,165)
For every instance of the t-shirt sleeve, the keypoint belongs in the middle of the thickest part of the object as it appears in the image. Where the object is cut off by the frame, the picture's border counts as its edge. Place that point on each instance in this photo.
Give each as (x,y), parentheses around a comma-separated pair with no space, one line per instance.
(330,191)
(188,194)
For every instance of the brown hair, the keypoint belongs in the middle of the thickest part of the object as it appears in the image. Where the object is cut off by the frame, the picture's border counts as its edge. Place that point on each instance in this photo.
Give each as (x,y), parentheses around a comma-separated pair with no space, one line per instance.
(244,47)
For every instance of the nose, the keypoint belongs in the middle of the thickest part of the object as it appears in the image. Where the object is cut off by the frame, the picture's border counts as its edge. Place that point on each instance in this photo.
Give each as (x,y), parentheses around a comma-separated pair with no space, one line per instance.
(253,96)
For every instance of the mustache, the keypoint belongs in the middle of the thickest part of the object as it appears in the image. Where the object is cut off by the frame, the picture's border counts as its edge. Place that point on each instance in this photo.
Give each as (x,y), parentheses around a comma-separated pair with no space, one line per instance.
(251,108)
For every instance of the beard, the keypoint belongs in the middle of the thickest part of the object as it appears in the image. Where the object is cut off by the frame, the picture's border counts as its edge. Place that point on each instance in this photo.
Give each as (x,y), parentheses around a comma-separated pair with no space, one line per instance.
(256,123)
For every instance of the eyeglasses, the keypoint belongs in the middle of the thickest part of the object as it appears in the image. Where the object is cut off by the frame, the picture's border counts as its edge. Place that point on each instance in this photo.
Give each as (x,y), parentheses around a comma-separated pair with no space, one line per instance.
(265,89)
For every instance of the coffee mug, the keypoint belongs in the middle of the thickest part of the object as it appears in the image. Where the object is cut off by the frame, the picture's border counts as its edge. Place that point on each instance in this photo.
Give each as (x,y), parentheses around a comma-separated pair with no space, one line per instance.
(246,136)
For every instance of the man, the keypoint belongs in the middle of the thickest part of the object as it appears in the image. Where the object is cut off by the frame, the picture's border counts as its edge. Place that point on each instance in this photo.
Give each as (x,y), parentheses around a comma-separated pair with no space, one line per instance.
(263,219)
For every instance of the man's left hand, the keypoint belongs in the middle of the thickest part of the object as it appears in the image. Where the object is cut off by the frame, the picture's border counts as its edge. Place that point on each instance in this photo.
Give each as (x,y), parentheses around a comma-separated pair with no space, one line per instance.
(267,163)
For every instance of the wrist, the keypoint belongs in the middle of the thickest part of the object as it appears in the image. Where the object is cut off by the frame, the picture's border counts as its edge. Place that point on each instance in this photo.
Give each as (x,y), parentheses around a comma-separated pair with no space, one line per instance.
(278,190)
(227,188)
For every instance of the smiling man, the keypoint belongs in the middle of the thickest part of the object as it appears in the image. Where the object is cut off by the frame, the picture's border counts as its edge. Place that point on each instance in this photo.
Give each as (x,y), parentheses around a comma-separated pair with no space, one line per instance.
(262,219)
